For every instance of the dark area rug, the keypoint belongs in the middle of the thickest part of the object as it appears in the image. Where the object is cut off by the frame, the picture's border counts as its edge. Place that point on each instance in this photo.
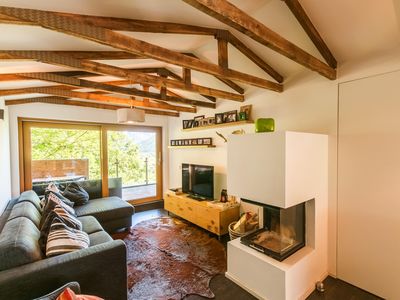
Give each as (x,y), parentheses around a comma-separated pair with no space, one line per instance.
(169,258)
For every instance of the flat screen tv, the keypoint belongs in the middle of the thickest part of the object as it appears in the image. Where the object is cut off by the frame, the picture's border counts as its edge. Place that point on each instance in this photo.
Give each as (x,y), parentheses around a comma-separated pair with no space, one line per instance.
(198,180)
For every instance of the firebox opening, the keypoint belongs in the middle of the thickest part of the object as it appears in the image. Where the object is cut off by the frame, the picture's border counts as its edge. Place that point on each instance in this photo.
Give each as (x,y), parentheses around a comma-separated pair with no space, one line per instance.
(282,232)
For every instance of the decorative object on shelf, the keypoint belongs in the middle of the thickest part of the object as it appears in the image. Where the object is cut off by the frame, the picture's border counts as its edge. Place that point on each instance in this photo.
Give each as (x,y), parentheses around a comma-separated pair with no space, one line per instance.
(245,112)
(219,118)
(239,131)
(196,120)
(230,116)
(221,136)
(265,125)
(192,142)
(224,196)
(1,114)
(187,123)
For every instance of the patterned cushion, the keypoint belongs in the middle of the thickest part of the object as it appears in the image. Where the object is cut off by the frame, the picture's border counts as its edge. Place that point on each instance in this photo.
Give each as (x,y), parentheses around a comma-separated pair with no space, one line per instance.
(63,239)
(52,199)
(61,213)
(59,196)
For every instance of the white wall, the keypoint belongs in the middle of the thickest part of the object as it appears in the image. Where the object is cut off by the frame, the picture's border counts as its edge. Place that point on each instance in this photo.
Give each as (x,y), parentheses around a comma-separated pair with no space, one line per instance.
(83,114)
(308,104)
(5,182)
(368,189)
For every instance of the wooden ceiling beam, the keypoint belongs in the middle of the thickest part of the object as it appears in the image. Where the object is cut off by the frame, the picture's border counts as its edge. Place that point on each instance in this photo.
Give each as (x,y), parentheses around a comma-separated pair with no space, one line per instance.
(68,25)
(55,91)
(64,101)
(305,22)
(82,83)
(238,44)
(186,78)
(229,14)
(228,82)
(222,53)
(122,24)
(99,68)
(14,77)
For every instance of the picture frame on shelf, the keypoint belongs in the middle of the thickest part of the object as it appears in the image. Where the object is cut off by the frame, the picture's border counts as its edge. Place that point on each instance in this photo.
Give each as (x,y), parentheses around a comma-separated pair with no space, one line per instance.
(246,109)
(203,122)
(172,142)
(207,141)
(194,142)
(211,121)
(219,118)
(231,116)
(187,123)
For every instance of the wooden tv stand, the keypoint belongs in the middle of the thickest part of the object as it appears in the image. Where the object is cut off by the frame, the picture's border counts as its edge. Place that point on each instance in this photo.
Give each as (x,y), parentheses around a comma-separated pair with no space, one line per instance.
(197,212)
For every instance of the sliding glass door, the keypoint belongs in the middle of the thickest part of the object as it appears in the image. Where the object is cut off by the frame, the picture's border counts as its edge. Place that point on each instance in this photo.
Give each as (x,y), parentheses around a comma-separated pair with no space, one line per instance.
(122,161)
(60,153)
(134,163)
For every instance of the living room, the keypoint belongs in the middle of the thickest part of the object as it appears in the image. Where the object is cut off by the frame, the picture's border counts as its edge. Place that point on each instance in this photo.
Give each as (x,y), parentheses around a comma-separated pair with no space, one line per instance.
(280,103)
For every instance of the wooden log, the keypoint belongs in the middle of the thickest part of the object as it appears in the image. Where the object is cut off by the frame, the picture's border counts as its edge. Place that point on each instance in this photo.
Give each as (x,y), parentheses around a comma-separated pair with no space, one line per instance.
(229,14)
(122,24)
(254,57)
(81,83)
(96,97)
(68,25)
(64,101)
(305,22)
(95,67)
(222,53)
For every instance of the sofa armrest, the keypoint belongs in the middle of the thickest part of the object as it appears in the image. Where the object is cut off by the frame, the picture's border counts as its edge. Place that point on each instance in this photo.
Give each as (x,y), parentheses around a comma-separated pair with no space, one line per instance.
(101,270)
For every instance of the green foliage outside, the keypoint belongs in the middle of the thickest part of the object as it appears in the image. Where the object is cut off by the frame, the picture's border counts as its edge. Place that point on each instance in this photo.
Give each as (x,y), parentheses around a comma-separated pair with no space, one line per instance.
(123,153)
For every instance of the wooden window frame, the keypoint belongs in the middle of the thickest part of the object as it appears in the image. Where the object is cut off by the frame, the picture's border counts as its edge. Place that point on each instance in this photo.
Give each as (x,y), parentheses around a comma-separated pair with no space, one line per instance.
(24,147)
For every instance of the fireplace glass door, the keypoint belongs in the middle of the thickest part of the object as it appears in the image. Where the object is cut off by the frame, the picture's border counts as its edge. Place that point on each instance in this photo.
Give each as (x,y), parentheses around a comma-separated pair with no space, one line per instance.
(283,232)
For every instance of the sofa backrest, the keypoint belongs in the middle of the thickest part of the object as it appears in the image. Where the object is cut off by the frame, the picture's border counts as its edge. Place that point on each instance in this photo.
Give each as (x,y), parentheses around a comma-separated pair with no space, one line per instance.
(20,234)
(93,187)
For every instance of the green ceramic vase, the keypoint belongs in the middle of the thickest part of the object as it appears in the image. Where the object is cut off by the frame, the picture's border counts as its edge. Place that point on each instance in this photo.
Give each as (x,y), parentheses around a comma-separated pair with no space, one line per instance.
(265,125)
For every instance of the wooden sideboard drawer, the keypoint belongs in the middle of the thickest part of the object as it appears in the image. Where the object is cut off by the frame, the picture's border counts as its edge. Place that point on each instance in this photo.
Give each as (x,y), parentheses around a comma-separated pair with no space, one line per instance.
(209,218)
(207,212)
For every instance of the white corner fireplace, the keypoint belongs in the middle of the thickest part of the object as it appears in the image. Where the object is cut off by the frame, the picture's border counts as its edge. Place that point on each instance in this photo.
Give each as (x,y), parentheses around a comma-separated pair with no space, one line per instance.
(286,175)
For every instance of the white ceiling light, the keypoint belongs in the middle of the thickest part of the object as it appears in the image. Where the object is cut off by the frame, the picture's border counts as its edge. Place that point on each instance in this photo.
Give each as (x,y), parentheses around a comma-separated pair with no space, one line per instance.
(130,115)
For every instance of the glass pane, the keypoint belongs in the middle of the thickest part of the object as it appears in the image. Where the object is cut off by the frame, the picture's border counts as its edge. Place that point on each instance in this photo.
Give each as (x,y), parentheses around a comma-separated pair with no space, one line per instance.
(64,155)
(132,164)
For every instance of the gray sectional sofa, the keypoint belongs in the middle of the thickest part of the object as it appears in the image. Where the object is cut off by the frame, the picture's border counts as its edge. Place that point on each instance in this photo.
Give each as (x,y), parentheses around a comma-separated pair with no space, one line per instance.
(25,273)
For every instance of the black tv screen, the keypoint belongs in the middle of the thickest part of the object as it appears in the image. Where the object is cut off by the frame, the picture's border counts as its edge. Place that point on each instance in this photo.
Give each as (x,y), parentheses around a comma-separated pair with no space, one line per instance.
(198,180)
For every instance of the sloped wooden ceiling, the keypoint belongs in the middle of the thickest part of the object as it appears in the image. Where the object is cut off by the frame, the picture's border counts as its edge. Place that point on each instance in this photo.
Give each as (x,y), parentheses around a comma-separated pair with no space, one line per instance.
(150,88)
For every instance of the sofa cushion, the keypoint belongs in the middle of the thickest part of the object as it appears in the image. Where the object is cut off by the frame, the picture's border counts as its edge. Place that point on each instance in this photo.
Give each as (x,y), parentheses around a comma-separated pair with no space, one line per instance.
(66,201)
(64,239)
(105,209)
(30,196)
(90,224)
(58,212)
(19,243)
(27,210)
(52,199)
(76,194)
(99,237)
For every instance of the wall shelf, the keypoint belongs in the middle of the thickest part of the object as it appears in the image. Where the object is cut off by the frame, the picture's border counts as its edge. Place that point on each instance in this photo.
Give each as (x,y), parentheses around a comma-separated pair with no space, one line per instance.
(219,125)
(197,146)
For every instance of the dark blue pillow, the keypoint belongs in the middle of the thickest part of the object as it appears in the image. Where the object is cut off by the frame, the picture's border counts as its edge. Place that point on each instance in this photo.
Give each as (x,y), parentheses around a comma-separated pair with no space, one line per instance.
(76,193)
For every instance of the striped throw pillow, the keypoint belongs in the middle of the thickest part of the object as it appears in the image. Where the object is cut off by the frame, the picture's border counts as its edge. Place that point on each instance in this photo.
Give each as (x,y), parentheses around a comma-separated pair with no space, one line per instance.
(62,212)
(63,239)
